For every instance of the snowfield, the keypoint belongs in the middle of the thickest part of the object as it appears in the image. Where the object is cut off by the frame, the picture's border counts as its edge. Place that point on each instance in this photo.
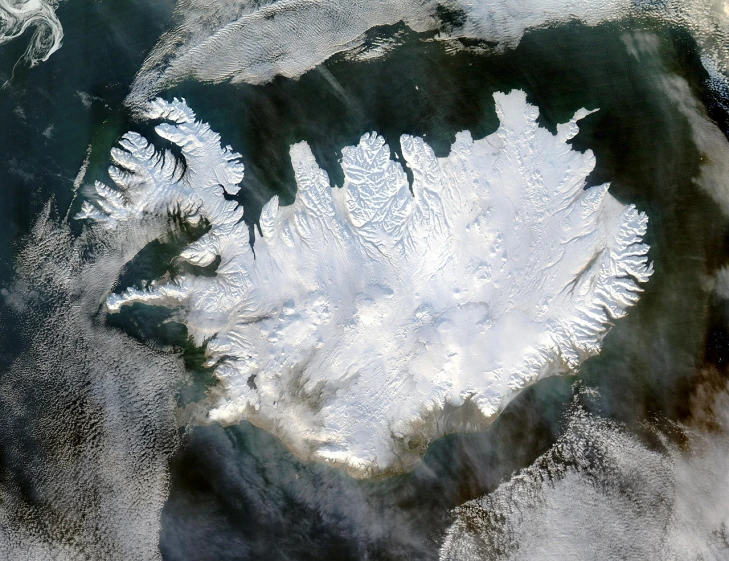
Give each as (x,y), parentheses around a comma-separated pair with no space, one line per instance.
(370,310)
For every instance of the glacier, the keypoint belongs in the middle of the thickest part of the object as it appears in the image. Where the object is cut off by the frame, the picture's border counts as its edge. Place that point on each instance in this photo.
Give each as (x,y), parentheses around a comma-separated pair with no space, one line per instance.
(364,313)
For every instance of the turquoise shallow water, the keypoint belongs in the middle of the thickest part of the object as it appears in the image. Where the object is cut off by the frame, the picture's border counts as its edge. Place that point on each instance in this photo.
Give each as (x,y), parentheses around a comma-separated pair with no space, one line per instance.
(237,493)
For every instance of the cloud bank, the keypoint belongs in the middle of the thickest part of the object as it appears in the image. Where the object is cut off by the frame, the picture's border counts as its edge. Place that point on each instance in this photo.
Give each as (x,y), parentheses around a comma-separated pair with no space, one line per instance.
(242,40)
(87,412)
(599,493)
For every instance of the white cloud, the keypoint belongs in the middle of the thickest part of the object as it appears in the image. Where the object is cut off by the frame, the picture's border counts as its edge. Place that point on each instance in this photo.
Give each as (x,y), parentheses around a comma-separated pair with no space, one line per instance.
(253,42)
(87,413)
(601,494)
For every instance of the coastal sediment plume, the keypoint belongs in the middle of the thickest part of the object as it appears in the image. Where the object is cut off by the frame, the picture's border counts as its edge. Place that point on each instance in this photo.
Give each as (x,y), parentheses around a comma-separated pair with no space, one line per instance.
(363,312)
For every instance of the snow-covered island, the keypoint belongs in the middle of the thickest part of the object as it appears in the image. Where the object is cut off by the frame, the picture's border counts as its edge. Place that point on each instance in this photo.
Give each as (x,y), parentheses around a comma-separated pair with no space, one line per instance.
(369,311)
